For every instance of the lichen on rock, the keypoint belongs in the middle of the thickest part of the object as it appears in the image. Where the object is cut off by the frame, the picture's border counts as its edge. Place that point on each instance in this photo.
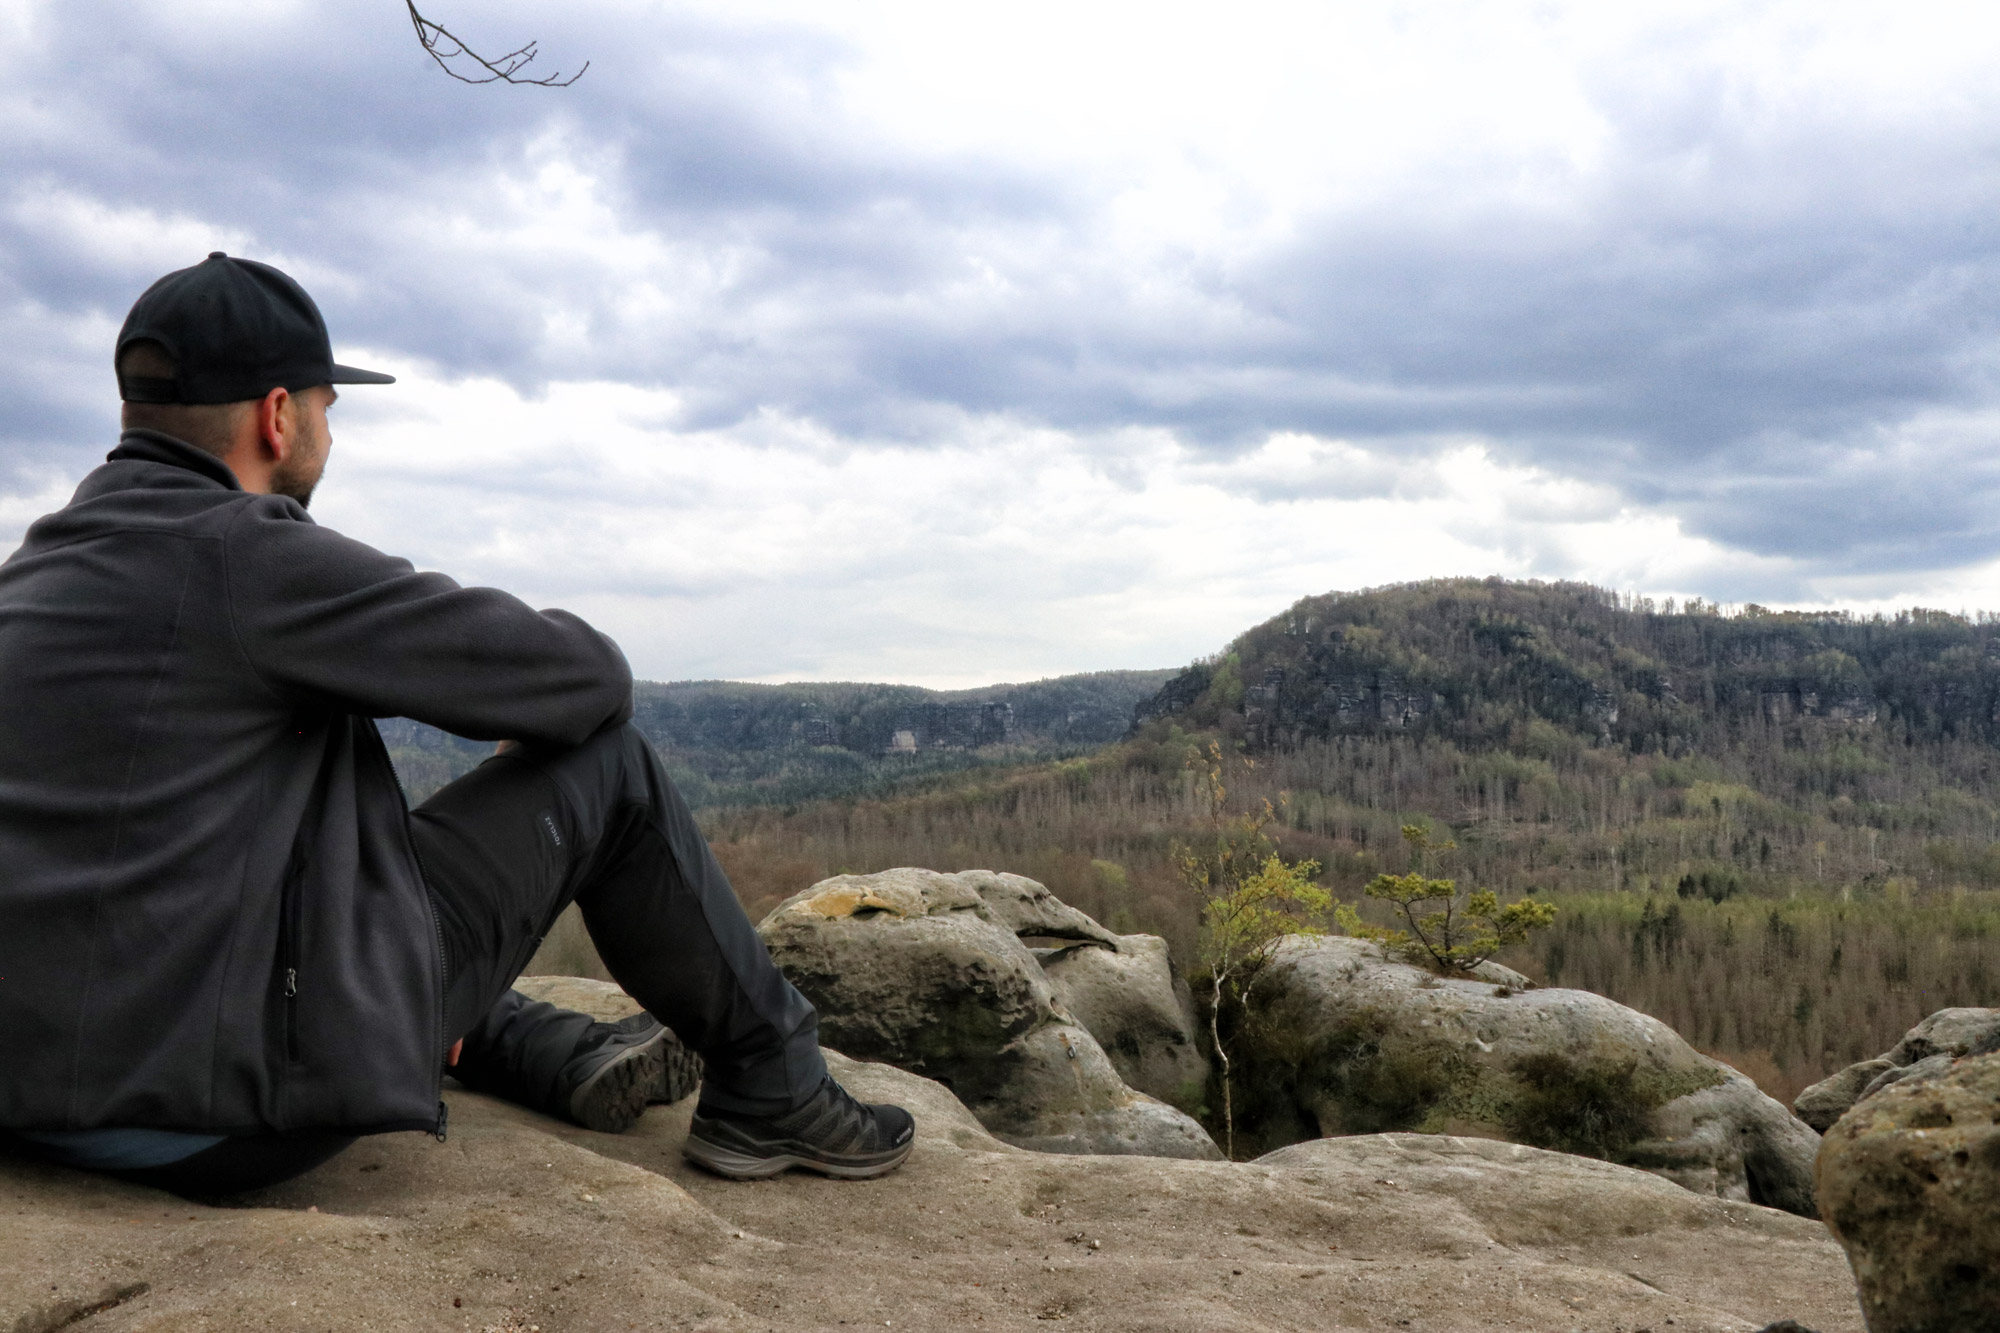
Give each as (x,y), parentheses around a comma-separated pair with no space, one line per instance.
(1909,1181)
(1345,1040)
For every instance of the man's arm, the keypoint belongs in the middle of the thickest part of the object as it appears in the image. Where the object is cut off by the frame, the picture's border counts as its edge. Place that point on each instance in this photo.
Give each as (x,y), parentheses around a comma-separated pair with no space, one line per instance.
(319,614)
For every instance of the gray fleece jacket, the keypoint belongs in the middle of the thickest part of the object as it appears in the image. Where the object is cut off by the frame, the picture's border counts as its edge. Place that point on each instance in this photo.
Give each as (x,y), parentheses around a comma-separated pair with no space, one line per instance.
(211,915)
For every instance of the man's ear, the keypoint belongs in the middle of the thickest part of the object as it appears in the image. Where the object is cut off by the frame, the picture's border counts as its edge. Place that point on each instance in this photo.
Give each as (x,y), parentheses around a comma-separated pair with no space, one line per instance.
(275,426)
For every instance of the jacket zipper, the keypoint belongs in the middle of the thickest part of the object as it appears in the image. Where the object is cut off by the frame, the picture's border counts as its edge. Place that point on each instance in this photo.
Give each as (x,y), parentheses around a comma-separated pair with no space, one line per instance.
(437,930)
(288,909)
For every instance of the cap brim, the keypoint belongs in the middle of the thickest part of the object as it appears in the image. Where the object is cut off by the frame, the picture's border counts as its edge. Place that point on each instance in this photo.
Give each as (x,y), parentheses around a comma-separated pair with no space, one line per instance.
(351,375)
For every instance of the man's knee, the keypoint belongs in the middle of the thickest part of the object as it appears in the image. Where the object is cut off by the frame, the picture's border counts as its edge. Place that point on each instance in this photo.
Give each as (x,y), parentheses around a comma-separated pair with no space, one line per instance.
(628,746)
(615,756)
(622,741)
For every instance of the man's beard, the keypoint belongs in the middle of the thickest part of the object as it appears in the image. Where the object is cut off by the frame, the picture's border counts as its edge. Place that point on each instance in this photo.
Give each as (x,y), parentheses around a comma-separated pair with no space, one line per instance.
(299,474)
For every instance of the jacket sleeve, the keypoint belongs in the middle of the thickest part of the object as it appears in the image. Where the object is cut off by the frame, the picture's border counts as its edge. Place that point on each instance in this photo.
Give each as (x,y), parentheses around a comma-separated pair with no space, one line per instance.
(322,617)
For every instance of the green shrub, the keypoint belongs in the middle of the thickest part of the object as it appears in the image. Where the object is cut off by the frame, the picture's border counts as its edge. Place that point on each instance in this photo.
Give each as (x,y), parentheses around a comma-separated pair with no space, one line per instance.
(1592,1110)
(1462,932)
(1393,1088)
(1373,1083)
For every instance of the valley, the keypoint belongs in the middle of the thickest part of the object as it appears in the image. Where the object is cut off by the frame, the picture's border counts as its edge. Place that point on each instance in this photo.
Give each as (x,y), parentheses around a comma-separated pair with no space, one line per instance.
(1778,833)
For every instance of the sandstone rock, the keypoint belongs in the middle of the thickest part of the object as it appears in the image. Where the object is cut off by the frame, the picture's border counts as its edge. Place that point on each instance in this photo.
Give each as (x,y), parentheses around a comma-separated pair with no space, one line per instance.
(602,1000)
(1121,988)
(1502,976)
(606,1003)
(1125,993)
(914,968)
(1733,1141)
(567,951)
(521,1221)
(1952,1032)
(1909,1180)
(1830,1098)
(1029,909)
(1948,1032)
(1928,1067)
(1350,1042)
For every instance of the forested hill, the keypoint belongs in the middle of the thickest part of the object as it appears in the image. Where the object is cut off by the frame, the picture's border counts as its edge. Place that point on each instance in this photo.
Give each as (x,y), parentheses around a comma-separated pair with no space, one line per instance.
(1474,661)
(733,743)
(1778,833)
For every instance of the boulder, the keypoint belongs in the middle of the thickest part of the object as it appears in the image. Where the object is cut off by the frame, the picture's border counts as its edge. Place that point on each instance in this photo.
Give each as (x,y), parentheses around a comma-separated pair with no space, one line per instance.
(1125,993)
(602,1000)
(1948,1032)
(1346,1041)
(1909,1181)
(519,1221)
(1928,1067)
(1730,1140)
(914,968)
(1030,910)
(1832,1097)
(1953,1032)
(1122,988)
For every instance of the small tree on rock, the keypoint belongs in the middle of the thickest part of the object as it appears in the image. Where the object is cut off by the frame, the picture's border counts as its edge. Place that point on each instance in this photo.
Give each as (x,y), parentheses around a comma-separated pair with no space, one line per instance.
(1249,899)
(1460,931)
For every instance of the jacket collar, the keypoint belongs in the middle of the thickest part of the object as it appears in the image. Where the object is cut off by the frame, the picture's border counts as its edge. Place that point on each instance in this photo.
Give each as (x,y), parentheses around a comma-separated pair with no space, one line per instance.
(151,446)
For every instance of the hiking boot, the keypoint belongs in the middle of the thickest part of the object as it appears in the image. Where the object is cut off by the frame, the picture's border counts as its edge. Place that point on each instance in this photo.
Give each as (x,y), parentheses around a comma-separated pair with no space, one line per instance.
(832,1134)
(617,1069)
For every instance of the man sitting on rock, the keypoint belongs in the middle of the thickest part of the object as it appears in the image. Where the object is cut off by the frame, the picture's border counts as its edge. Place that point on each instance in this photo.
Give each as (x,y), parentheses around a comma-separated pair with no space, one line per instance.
(227,947)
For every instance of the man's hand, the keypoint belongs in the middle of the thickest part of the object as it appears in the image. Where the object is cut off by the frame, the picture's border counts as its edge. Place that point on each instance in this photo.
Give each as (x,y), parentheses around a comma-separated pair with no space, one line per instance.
(506,747)
(451,1056)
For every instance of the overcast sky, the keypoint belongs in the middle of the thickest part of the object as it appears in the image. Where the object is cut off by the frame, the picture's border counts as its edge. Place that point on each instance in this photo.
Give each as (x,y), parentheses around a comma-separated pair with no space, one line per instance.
(961,343)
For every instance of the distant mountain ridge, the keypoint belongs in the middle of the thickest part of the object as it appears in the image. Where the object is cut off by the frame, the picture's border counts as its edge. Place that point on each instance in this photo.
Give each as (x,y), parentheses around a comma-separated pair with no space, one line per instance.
(1471,659)
(1086,709)
(728,742)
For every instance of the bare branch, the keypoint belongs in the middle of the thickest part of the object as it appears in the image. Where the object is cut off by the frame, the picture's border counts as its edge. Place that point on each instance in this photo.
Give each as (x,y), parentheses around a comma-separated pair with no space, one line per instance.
(443,47)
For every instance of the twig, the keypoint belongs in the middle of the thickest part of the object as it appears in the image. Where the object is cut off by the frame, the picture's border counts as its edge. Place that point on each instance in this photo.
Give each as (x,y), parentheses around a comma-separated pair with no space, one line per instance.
(443,47)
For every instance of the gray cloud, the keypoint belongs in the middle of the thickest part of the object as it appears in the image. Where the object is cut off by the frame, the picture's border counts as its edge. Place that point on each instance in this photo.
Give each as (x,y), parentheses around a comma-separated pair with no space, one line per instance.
(1737,315)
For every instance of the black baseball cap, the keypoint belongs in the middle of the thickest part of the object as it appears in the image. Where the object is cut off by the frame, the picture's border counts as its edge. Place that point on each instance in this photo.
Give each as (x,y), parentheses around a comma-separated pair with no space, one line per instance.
(236,329)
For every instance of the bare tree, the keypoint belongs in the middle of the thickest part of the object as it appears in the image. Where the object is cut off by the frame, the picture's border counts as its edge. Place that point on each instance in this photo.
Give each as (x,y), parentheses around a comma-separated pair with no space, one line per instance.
(443,47)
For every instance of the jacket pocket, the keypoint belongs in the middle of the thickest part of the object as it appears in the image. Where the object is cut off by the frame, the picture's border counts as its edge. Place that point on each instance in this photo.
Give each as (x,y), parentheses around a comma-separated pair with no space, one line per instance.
(291,911)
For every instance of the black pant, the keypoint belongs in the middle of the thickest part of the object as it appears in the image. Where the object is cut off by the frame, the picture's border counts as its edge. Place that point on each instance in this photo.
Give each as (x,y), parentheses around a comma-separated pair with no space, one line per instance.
(504,850)
(508,846)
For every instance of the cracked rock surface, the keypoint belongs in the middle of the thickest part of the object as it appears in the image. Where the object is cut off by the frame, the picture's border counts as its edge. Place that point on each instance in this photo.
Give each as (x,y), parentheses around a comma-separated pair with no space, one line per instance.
(521,1223)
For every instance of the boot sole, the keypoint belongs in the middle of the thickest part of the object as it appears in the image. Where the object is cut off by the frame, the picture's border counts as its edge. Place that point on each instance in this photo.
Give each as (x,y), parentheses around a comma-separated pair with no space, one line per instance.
(735,1164)
(611,1100)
